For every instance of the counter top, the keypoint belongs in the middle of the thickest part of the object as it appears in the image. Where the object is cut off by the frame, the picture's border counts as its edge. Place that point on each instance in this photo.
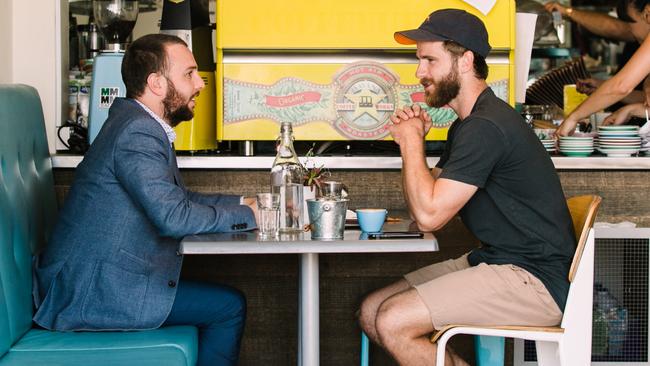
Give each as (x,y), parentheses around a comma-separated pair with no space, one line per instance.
(368,162)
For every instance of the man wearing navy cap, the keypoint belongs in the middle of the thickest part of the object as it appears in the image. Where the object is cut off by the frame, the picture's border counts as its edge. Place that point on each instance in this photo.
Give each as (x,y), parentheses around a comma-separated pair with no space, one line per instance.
(497,176)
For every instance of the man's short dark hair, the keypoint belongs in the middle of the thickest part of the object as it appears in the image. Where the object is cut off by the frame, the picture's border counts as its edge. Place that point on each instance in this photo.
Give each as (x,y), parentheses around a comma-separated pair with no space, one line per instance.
(146,55)
(623,5)
(480,66)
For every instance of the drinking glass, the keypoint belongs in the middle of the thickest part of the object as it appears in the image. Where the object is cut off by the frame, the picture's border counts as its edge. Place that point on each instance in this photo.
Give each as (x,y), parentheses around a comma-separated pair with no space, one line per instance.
(332,190)
(268,205)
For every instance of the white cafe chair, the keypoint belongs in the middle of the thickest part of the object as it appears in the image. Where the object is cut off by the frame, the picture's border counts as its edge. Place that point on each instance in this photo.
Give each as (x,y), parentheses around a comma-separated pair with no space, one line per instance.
(568,344)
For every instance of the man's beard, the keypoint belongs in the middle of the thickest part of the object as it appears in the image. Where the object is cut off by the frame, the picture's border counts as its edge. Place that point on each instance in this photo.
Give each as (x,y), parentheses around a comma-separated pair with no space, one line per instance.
(445,90)
(176,107)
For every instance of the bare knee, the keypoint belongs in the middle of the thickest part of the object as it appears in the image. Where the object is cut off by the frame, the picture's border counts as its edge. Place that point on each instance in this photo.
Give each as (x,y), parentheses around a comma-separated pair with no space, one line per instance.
(402,318)
(388,322)
(367,314)
(370,305)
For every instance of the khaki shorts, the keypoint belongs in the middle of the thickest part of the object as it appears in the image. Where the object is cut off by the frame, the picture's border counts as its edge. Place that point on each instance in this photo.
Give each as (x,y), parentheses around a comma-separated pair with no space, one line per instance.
(483,295)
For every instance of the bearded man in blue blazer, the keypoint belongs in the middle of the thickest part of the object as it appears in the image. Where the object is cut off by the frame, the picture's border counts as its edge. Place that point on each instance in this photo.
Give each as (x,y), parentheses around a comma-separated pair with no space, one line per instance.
(113,260)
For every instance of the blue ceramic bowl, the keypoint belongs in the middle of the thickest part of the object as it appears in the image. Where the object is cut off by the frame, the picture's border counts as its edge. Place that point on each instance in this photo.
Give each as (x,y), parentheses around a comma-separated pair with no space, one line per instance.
(371,220)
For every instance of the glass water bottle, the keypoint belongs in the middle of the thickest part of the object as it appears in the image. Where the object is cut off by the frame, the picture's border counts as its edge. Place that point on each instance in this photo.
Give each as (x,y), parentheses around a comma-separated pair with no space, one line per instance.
(286,179)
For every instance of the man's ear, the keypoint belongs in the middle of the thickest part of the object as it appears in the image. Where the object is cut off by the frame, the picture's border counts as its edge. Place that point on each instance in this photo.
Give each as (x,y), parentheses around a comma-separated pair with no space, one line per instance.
(157,84)
(466,62)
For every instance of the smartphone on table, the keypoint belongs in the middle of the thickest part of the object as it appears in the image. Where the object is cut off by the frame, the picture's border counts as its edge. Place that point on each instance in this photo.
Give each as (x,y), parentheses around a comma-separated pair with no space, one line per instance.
(396,235)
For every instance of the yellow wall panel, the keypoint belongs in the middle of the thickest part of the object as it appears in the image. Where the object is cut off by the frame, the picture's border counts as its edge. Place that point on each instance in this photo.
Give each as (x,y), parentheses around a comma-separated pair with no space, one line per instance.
(325,99)
(341,24)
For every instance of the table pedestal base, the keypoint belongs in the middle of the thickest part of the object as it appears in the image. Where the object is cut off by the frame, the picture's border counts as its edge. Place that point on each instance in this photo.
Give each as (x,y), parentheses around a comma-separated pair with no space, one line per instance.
(309,327)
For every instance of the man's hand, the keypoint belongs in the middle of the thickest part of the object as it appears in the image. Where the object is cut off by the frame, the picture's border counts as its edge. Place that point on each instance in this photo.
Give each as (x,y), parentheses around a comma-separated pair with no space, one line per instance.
(413,113)
(624,114)
(621,116)
(588,86)
(553,6)
(252,203)
(567,127)
(409,122)
(410,130)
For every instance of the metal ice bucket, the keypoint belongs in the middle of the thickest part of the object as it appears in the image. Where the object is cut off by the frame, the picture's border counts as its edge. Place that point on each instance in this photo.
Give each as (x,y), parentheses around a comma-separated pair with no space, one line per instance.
(327,218)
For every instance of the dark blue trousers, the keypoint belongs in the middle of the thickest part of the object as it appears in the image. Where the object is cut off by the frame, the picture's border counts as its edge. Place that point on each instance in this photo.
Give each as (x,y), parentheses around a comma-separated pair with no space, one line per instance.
(219,312)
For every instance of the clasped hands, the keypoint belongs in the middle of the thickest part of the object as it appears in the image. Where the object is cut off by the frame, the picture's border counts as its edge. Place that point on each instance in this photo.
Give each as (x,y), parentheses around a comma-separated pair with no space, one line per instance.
(409,124)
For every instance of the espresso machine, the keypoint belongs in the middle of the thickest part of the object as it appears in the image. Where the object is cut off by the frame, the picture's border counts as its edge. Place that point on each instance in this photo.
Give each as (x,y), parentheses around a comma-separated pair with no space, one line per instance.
(115,20)
(190,21)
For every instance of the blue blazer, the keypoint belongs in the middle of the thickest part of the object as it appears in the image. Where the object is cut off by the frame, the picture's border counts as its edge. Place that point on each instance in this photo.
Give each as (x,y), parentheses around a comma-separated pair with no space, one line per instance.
(112,261)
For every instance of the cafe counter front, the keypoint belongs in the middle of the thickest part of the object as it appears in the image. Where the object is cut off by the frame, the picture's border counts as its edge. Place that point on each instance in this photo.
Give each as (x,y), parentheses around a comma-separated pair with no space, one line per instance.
(270,281)
(622,182)
(369,162)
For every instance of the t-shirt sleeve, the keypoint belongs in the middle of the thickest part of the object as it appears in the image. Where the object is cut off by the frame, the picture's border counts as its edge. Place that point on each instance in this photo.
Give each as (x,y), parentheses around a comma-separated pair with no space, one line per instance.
(445,152)
(476,149)
(445,156)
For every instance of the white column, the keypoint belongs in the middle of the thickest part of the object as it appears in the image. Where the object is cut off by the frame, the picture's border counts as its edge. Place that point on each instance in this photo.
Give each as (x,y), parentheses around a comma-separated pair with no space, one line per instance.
(36,57)
(6,42)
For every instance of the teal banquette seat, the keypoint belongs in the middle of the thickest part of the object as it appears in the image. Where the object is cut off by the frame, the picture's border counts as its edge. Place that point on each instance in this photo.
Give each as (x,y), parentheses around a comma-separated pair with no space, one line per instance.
(27,215)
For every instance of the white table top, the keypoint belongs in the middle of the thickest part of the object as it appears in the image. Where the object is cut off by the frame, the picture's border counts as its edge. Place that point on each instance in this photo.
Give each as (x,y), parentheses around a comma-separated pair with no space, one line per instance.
(354,241)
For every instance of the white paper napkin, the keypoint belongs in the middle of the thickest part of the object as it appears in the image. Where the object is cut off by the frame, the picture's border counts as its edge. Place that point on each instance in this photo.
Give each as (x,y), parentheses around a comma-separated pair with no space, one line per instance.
(525,30)
(644,131)
(484,6)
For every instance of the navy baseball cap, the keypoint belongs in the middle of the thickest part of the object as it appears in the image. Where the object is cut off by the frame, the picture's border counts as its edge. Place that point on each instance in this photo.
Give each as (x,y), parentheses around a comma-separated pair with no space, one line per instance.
(450,25)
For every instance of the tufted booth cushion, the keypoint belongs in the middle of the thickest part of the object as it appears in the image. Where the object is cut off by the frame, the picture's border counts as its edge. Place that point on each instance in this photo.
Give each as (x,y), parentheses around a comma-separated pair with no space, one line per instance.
(27,205)
(27,214)
(165,346)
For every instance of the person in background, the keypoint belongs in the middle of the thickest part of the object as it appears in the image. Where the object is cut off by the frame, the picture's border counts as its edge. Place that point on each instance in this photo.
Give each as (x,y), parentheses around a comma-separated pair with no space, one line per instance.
(112,262)
(623,29)
(629,27)
(624,114)
(495,173)
(621,84)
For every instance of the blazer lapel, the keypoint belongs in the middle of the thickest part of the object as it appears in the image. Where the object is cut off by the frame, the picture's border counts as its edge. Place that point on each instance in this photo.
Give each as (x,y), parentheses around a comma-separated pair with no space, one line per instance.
(177,174)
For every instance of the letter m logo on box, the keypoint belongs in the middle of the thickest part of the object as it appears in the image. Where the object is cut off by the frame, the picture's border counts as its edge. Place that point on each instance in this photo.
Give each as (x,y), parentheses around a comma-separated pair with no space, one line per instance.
(107,96)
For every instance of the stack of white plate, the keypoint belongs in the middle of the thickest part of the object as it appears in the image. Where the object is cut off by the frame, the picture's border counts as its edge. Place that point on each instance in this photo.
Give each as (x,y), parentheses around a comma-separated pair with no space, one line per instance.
(546,136)
(549,145)
(619,141)
(576,146)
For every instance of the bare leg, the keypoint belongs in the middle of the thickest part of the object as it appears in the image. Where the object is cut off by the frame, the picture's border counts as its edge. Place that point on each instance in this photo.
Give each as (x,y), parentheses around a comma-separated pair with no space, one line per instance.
(371,303)
(403,325)
(458,361)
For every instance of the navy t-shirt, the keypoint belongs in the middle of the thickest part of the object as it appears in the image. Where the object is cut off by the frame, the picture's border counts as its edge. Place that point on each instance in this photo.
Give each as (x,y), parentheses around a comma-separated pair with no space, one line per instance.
(519,211)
